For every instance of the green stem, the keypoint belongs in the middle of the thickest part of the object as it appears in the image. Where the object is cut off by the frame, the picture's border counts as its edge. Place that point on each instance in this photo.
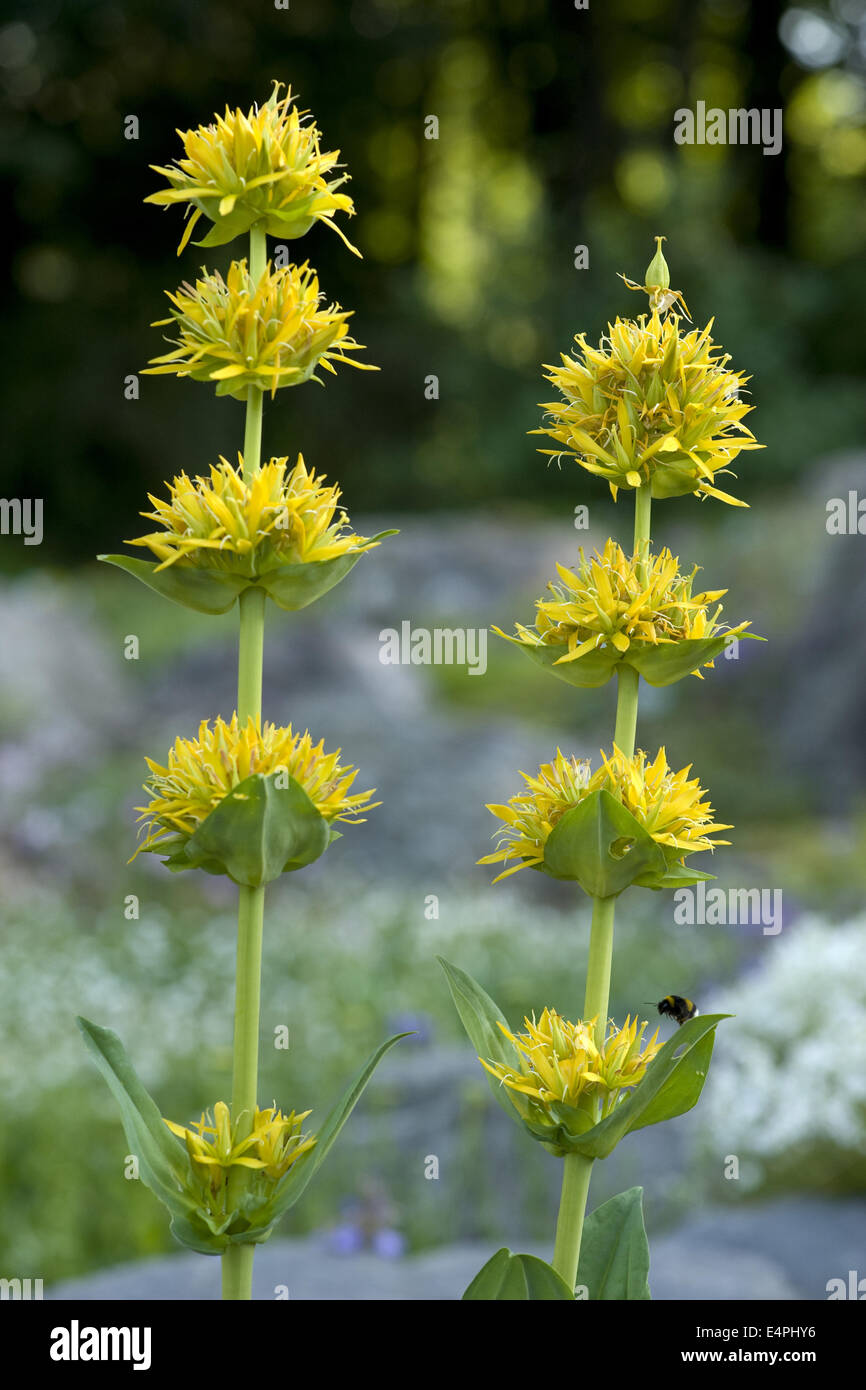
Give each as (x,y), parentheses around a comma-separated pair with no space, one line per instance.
(576,1173)
(237,1261)
(258,251)
(253,432)
(627,681)
(250,651)
(642,514)
(237,1264)
(577,1170)
(599,963)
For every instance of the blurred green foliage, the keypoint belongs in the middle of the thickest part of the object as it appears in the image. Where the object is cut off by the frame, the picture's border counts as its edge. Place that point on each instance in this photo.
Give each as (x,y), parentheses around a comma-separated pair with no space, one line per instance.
(555,131)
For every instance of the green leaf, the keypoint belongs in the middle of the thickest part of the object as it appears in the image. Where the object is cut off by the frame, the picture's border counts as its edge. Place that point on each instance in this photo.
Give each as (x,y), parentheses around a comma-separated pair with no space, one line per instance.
(213,591)
(676,477)
(286,222)
(514,1278)
(302,1172)
(480,1017)
(589,844)
(672,661)
(192,1233)
(162,1162)
(683,1089)
(293,587)
(614,1253)
(259,831)
(588,671)
(204,591)
(675,876)
(671,1085)
(226,228)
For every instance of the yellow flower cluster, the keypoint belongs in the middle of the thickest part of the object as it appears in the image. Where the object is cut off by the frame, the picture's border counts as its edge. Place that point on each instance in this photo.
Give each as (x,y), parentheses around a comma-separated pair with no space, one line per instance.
(560,1063)
(275,1143)
(263,165)
(530,816)
(236,333)
(669,805)
(201,772)
(278,516)
(619,599)
(650,403)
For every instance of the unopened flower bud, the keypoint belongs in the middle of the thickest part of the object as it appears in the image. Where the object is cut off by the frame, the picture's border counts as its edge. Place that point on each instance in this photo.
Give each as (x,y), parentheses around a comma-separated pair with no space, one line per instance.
(658,276)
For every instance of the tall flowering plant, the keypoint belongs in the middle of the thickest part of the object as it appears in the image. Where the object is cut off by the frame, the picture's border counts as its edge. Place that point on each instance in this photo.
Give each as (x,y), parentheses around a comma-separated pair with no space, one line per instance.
(245,798)
(656,410)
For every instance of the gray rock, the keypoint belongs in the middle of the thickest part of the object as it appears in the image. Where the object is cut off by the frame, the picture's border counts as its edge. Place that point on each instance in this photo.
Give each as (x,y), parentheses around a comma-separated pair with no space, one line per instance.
(682,1268)
(809,1239)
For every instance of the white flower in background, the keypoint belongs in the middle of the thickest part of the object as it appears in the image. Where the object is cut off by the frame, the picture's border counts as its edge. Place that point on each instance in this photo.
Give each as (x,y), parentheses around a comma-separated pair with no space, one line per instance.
(793,1075)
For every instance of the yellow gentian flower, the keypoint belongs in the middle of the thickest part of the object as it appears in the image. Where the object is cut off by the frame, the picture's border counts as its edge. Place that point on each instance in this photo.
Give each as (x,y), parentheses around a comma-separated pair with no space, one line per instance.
(201,772)
(651,404)
(279,516)
(213,1147)
(263,166)
(622,601)
(670,806)
(236,333)
(560,1064)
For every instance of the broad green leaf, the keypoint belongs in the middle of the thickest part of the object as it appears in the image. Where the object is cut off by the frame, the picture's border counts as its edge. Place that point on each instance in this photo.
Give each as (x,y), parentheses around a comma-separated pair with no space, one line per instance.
(293,587)
(674,876)
(162,1161)
(587,672)
(259,831)
(287,224)
(480,1017)
(567,1121)
(674,478)
(671,1085)
(194,1235)
(683,1090)
(225,228)
(659,665)
(284,222)
(302,1172)
(614,1253)
(601,845)
(204,591)
(517,1278)
(671,661)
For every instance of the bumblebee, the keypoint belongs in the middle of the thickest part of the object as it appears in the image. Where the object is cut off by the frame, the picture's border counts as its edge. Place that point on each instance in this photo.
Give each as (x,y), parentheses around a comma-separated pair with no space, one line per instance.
(675,1006)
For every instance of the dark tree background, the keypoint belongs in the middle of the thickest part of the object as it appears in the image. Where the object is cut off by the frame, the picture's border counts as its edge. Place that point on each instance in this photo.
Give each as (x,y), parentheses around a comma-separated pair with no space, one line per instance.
(555,130)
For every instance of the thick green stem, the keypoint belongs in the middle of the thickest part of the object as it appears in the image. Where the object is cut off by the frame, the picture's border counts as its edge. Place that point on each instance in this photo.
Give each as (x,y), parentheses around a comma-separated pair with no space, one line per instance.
(237,1264)
(250,650)
(642,515)
(251,902)
(627,680)
(576,1173)
(258,251)
(598,966)
(577,1170)
(253,432)
(237,1261)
